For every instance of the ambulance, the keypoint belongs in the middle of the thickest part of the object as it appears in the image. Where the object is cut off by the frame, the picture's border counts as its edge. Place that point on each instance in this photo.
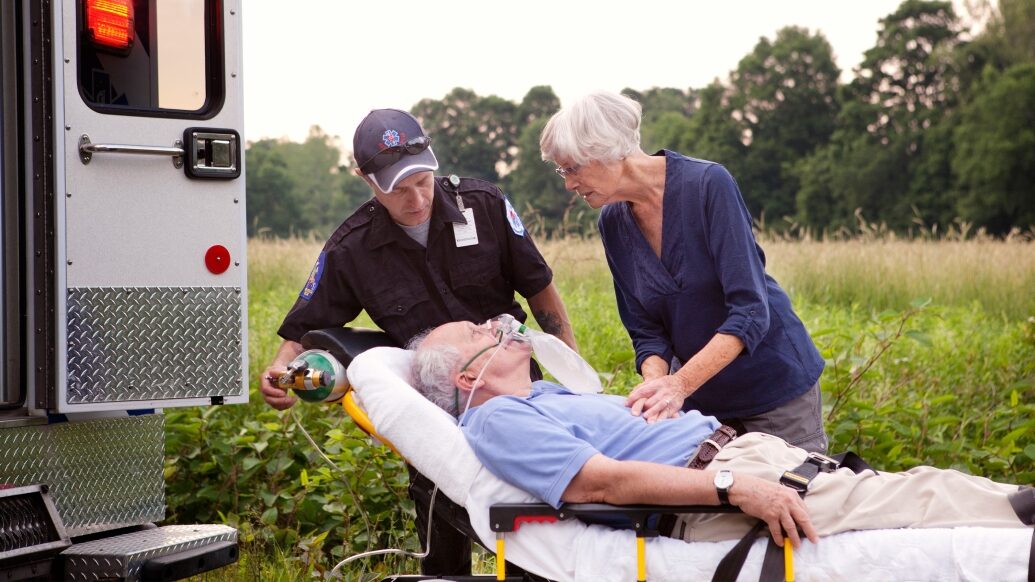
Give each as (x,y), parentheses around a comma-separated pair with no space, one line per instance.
(122,238)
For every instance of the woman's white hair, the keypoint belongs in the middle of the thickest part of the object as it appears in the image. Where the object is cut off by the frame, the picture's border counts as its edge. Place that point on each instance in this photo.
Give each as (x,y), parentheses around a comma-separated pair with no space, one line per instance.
(600,127)
(432,372)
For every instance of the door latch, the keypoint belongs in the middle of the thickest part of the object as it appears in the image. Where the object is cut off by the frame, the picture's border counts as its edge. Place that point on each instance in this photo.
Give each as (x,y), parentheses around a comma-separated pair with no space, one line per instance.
(212,153)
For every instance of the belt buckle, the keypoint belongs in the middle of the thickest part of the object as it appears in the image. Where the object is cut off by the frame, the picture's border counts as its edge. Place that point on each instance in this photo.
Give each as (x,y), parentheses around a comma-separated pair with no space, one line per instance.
(825,463)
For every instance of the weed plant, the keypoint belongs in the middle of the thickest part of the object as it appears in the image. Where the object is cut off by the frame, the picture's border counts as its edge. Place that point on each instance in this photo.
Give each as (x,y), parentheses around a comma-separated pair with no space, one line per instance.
(930,351)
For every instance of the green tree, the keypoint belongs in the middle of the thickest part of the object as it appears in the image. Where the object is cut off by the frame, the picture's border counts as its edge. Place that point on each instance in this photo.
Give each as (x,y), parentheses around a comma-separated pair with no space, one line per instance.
(713,133)
(271,208)
(538,192)
(473,135)
(995,152)
(296,188)
(666,114)
(784,95)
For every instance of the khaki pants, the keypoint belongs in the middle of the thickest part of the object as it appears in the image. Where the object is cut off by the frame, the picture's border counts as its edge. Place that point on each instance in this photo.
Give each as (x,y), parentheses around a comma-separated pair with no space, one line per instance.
(843,501)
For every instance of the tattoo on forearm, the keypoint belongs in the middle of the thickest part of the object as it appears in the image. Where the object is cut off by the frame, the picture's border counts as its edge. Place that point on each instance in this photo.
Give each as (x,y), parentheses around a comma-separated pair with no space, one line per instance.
(549,321)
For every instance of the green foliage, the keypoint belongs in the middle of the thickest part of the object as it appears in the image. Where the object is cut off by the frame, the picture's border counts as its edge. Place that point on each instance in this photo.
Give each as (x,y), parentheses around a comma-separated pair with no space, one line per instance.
(930,386)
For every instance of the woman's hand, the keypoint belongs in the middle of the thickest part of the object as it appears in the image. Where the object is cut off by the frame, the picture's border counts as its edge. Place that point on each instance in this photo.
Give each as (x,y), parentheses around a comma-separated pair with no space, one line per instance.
(658,398)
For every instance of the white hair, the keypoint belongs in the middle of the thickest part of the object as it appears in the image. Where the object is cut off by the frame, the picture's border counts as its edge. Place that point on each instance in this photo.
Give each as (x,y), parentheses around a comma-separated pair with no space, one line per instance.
(432,372)
(601,127)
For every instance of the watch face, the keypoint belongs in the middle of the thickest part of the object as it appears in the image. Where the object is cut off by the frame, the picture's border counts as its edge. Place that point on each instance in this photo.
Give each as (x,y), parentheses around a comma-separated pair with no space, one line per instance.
(723,479)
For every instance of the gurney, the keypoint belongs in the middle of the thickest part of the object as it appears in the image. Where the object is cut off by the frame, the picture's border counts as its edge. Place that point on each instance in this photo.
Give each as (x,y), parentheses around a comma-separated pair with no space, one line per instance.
(570,550)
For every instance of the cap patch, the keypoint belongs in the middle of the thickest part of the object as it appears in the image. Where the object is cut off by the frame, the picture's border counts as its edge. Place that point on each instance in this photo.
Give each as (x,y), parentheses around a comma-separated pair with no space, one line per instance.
(390,138)
(514,219)
(314,278)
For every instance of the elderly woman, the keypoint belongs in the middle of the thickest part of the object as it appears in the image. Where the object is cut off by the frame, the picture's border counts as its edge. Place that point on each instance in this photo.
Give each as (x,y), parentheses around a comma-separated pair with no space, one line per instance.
(712,330)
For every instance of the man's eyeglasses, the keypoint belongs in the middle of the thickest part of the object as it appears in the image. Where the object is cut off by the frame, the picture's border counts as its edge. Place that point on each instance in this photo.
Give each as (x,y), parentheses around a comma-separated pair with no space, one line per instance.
(567,171)
(499,340)
(392,154)
(456,392)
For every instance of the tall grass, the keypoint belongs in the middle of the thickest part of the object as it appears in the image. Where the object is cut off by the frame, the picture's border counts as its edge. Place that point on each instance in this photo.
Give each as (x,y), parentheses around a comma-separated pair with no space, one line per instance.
(888,274)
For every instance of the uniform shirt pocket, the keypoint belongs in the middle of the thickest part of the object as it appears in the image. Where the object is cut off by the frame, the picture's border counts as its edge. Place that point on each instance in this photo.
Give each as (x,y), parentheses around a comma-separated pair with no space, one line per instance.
(395,302)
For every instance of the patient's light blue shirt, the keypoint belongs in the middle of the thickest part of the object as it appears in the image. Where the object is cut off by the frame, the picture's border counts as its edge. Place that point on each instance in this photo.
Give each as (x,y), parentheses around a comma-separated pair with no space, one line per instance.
(540,442)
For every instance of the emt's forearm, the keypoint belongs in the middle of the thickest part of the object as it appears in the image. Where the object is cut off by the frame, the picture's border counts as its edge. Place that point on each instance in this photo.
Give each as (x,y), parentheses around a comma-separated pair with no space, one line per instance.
(605,480)
(288,351)
(548,310)
(713,357)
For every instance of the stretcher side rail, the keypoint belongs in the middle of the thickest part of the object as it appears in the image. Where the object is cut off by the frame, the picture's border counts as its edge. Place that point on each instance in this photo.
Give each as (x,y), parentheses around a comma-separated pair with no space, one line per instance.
(509,517)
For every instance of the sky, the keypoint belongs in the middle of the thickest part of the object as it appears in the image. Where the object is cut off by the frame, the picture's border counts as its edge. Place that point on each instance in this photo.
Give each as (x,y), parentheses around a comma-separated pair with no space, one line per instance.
(329,62)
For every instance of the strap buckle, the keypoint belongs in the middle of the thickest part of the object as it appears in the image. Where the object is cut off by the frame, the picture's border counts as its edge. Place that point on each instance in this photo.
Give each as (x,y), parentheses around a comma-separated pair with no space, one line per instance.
(823,462)
(799,483)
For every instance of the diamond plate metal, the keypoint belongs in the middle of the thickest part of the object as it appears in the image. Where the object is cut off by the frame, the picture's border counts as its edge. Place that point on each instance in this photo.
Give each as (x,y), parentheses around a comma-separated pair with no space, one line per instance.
(103,474)
(135,343)
(123,557)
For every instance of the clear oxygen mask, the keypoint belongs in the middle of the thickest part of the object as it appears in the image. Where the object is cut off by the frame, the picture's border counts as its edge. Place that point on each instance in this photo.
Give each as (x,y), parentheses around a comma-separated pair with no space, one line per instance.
(562,362)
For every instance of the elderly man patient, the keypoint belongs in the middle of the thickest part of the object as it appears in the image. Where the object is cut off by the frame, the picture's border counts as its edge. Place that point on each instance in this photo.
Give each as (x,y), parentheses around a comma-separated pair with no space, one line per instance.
(567,447)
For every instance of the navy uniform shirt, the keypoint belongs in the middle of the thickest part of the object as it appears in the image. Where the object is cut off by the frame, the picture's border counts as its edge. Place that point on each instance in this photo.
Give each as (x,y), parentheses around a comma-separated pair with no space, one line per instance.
(370,263)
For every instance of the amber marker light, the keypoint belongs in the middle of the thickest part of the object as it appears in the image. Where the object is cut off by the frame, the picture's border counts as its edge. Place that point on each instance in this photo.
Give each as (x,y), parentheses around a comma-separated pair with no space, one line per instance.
(109,23)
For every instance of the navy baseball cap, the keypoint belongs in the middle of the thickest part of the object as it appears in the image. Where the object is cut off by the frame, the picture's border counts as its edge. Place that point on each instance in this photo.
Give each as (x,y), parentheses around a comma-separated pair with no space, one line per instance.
(390,145)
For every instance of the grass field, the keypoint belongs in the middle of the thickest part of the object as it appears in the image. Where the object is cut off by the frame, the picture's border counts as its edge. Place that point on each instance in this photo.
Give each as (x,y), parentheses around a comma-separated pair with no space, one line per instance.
(930,350)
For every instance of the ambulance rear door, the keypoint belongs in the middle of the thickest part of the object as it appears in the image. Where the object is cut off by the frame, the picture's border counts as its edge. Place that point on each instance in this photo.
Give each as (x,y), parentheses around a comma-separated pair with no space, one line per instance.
(150,308)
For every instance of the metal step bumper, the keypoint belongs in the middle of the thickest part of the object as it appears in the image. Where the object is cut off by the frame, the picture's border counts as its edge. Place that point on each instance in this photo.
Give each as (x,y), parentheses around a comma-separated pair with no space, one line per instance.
(170,552)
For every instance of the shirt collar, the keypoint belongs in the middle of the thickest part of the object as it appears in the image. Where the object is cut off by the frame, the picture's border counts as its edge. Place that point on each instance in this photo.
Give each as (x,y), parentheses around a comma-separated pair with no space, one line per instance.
(383,229)
(444,208)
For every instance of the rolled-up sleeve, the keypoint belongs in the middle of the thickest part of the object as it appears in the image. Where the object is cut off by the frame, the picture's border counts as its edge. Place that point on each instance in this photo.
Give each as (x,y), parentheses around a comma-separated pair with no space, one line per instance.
(738,261)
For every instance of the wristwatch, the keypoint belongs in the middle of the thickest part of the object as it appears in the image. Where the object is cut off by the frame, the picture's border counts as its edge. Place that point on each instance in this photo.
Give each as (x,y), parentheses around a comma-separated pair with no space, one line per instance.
(723,482)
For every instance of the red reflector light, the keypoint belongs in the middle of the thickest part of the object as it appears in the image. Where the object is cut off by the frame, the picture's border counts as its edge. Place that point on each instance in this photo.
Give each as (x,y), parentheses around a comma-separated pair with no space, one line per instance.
(110,23)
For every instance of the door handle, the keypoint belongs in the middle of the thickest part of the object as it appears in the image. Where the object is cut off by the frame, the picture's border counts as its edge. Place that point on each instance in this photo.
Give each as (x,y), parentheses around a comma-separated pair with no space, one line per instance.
(87,149)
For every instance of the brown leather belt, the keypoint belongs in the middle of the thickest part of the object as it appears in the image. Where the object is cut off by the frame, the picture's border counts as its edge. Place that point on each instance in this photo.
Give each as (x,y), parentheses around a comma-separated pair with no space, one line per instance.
(707,450)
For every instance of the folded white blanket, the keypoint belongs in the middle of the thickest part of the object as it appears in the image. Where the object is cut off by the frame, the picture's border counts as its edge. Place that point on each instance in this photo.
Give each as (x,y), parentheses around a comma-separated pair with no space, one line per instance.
(573,551)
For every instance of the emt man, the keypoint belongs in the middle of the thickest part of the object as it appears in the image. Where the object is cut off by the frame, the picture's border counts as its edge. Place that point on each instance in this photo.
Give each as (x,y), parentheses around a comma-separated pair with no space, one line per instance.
(424,251)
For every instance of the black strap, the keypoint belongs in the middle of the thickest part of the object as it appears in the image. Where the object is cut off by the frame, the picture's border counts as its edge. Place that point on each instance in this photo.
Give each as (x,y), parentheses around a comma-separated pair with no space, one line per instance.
(1023,503)
(1031,559)
(853,462)
(772,563)
(730,565)
(798,478)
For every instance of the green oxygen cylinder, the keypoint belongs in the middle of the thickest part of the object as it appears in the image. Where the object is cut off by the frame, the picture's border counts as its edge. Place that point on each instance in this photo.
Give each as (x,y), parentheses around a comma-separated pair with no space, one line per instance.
(315,376)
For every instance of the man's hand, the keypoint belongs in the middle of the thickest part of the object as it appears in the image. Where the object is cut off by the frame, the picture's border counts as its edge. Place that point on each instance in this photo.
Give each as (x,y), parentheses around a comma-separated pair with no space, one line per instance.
(273,394)
(780,507)
(659,398)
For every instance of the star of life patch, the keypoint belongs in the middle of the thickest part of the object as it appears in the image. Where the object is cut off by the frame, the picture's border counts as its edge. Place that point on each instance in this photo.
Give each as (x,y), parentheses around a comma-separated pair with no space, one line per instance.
(514,219)
(314,278)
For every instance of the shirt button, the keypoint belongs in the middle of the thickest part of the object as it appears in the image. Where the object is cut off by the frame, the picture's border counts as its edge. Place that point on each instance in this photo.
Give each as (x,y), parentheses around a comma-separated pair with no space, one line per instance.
(752,312)
(398,308)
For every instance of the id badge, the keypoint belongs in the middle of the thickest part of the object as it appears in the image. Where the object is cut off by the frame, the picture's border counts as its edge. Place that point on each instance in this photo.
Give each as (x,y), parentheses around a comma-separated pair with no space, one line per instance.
(466,234)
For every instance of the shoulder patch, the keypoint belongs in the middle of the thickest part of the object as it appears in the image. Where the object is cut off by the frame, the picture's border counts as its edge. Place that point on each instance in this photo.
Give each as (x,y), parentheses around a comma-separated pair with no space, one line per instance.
(513,218)
(314,278)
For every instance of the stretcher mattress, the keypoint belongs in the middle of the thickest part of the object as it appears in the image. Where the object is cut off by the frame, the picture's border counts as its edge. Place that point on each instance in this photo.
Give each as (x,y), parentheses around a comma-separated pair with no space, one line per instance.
(572,551)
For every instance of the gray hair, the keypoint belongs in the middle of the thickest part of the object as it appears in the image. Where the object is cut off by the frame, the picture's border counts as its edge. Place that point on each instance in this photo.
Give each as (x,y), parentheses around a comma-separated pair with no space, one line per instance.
(432,372)
(601,127)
